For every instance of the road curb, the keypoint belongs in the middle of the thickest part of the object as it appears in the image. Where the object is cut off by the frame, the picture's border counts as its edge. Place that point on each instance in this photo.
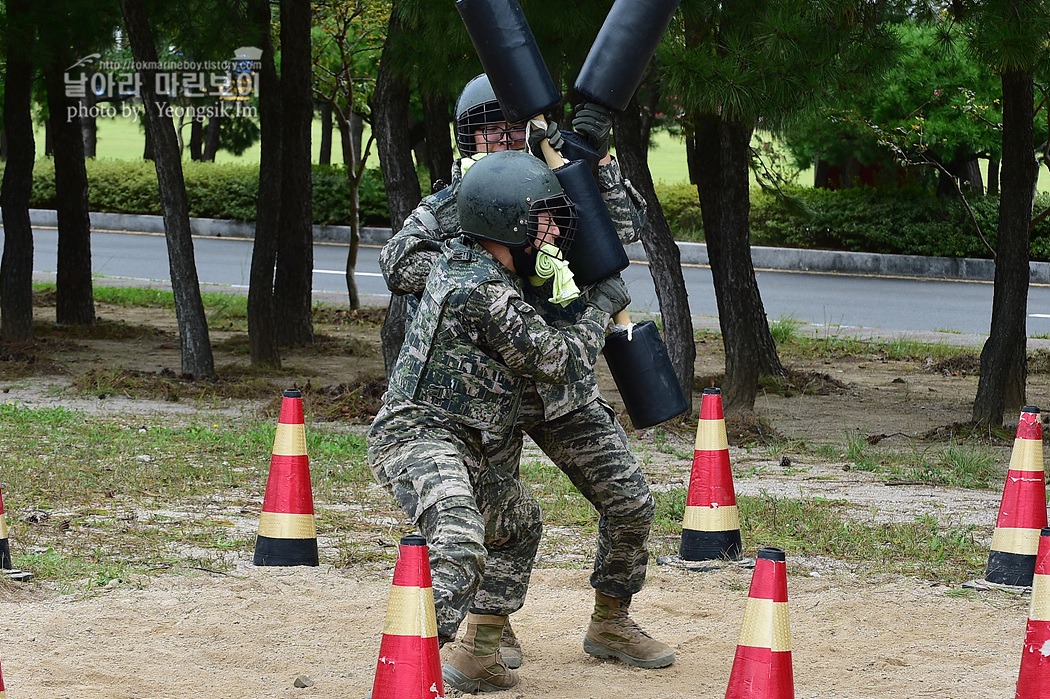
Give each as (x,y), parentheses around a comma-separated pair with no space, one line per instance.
(767,258)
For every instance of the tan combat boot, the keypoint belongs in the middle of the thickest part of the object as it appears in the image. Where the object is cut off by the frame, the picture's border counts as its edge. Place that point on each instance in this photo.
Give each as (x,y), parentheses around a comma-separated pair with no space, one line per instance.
(509,647)
(476,665)
(613,634)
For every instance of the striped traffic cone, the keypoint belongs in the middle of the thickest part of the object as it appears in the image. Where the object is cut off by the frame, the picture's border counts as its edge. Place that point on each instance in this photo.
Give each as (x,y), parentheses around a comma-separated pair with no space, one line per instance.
(1033,681)
(287,531)
(1022,512)
(3,692)
(409,662)
(762,666)
(711,526)
(5,545)
(6,564)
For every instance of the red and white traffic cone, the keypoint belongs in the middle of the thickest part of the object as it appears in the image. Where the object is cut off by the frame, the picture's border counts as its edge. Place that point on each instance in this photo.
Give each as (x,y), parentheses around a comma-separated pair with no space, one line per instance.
(6,563)
(3,692)
(409,661)
(762,666)
(1033,681)
(287,530)
(711,526)
(1022,512)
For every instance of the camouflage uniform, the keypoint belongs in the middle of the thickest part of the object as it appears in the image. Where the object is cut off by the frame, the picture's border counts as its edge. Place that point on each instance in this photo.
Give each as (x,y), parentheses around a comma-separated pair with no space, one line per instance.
(453,397)
(573,425)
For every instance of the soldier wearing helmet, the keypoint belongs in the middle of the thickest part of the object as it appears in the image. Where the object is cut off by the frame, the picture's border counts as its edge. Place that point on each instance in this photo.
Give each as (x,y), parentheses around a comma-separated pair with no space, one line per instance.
(570,422)
(471,348)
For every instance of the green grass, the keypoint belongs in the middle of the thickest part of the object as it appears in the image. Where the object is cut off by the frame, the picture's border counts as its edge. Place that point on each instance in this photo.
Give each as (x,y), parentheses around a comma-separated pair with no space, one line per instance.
(93,499)
(819,527)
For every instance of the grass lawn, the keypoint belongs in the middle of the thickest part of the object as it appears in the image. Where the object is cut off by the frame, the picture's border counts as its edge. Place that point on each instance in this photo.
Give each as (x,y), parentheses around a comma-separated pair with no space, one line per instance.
(122,139)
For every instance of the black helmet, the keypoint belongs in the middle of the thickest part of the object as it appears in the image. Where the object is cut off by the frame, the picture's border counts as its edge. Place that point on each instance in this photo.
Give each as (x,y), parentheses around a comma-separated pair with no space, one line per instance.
(476,107)
(504,196)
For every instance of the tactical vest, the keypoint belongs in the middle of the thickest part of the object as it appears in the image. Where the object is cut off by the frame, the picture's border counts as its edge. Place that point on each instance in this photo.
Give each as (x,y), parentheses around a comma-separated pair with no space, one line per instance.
(439,365)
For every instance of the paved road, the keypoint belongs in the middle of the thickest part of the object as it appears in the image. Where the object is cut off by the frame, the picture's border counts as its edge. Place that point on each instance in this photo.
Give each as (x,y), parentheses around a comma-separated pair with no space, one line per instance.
(840,303)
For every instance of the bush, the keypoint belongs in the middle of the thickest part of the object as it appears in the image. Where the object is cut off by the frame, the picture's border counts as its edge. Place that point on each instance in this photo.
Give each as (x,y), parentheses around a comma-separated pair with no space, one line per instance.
(224,191)
(861,220)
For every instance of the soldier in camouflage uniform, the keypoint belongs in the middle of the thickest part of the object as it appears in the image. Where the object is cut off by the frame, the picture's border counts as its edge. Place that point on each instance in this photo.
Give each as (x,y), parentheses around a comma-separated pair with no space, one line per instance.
(571,423)
(454,395)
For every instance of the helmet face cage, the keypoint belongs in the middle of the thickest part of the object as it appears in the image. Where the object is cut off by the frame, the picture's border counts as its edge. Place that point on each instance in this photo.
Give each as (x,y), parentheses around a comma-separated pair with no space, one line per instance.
(558,210)
(478,117)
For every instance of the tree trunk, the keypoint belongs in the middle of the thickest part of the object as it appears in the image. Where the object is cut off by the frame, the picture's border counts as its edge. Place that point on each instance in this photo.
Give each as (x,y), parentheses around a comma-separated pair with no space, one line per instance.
(1001,387)
(355,241)
(16,266)
(664,257)
(390,124)
(993,175)
(197,360)
(147,147)
(721,156)
(196,140)
(211,139)
(325,156)
(262,323)
(3,145)
(89,125)
(439,143)
(293,284)
(74,300)
(347,144)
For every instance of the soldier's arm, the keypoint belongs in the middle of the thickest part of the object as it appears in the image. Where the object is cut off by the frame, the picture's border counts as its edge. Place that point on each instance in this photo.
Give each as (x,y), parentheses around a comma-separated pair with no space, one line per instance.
(626,206)
(407,258)
(505,323)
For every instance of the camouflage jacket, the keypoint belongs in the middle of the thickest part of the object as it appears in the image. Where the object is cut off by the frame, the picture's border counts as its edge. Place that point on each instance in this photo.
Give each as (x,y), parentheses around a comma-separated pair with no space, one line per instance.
(407,258)
(474,339)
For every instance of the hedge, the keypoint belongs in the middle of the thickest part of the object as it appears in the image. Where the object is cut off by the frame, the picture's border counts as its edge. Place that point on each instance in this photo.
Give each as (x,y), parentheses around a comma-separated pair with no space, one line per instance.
(214,190)
(861,220)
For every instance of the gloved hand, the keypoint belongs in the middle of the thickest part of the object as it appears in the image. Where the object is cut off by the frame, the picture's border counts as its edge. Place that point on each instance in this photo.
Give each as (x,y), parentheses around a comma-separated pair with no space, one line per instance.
(609,295)
(593,122)
(552,135)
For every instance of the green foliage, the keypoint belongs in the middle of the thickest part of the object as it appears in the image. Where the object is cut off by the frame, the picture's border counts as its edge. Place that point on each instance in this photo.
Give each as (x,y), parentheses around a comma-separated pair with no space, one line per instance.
(758,60)
(937,98)
(224,191)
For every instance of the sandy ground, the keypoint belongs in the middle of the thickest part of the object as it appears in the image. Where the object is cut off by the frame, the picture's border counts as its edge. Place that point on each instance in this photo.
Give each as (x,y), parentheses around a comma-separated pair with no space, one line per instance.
(252,633)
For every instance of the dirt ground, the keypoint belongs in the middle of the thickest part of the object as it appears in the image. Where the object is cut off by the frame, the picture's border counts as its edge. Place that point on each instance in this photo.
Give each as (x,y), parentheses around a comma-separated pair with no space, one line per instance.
(258,632)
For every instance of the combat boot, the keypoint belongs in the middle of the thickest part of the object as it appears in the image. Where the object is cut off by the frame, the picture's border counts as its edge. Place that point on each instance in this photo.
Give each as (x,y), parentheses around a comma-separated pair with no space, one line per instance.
(613,634)
(509,647)
(476,664)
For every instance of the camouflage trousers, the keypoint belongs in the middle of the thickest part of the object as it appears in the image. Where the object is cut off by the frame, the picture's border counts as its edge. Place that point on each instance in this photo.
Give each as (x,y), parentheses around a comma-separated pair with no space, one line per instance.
(431,470)
(591,448)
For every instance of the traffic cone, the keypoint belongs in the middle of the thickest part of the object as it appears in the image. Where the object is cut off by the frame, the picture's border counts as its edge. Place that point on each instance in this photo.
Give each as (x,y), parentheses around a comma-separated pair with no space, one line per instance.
(1033,681)
(409,664)
(5,545)
(3,692)
(711,526)
(287,531)
(1022,512)
(762,666)
(6,563)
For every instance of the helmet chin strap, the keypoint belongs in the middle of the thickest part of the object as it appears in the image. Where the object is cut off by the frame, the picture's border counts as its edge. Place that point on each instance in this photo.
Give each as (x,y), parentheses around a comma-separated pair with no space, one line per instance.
(524,262)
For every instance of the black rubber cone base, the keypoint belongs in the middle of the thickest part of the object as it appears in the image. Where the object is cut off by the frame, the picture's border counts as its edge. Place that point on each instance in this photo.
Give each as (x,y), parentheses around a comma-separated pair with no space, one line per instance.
(708,546)
(285,552)
(1010,568)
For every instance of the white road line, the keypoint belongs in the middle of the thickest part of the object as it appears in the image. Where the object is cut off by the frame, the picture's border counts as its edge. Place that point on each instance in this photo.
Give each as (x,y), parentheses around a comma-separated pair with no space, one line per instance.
(343,272)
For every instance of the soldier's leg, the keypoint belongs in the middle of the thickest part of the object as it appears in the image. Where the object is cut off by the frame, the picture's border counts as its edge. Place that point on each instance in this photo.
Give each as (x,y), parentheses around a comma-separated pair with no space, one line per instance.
(430,482)
(513,521)
(591,448)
